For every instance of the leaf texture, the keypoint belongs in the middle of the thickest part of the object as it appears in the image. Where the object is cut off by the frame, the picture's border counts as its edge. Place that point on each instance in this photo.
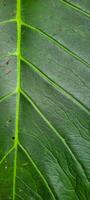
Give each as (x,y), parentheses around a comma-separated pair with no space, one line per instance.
(44,100)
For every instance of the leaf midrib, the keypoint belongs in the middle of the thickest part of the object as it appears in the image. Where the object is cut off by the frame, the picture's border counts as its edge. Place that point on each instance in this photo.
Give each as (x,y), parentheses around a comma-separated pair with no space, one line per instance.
(18,91)
(18,19)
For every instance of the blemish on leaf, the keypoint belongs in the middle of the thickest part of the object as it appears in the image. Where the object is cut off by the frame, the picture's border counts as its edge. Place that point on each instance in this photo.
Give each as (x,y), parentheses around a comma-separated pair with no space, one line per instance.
(8,122)
(20,190)
(10,198)
(24,164)
(8,72)
(1,66)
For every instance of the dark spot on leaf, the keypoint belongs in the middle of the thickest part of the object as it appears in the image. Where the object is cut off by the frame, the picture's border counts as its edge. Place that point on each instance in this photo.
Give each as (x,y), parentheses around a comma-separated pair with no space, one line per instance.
(7,62)
(9,120)
(4,3)
(13,138)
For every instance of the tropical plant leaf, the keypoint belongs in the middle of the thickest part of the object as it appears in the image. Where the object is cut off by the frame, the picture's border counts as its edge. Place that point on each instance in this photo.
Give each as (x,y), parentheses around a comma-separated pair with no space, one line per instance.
(44,100)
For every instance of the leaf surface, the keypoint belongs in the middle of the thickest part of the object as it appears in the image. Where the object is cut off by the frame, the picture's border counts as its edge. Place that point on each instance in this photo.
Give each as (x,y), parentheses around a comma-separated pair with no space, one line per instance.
(44,100)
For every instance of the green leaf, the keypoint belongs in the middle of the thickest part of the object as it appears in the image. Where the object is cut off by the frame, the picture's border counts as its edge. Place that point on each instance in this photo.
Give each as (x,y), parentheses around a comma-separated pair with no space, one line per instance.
(44,100)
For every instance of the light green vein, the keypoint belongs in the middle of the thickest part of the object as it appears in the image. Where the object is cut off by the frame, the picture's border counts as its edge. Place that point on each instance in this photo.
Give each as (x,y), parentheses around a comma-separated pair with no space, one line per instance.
(79,9)
(7,21)
(19,196)
(57,161)
(81,169)
(4,157)
(2,98)
(28,187)
(36,168)
(18,90)
(57,86)
(8,55)
(60,45)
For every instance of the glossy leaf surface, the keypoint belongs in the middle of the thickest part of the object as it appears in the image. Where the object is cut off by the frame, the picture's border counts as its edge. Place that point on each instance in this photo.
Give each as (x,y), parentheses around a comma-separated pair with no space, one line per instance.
(44,100)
